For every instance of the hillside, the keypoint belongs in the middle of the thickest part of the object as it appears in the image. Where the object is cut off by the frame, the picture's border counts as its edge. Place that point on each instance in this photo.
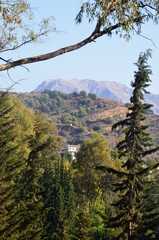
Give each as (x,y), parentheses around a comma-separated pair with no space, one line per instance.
(104,89)
(77,115)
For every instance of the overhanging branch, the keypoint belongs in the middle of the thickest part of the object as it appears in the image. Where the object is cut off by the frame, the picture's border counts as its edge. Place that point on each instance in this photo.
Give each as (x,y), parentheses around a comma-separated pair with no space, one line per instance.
(95,34)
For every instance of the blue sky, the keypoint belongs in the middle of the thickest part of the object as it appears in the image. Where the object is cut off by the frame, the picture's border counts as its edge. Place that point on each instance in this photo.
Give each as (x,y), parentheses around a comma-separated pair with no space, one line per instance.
(107,59)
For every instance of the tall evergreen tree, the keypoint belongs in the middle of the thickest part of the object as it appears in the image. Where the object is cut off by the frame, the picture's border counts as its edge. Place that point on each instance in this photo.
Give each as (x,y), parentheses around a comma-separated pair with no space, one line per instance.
(11,163)
(133,148)
(149,229)
(43,147)
(59,203)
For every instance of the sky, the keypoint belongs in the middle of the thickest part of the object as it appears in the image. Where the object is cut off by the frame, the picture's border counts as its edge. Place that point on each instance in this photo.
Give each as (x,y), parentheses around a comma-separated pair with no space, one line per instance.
(107,59)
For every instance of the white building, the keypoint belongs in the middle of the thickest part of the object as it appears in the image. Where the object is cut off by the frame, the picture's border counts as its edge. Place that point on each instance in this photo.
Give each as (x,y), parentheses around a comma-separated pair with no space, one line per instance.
(72,149)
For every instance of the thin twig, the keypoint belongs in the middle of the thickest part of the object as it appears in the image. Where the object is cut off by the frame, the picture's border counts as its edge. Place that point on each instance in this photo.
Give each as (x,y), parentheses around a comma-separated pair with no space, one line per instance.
(14,83)
(7,61)
(149,39)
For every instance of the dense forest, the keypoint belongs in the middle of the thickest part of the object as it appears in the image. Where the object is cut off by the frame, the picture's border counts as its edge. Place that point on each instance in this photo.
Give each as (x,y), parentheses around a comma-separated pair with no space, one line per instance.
(107,192)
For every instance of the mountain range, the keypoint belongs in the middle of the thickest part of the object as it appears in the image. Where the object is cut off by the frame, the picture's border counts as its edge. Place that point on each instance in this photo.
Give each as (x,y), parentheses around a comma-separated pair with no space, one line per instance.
(104,89)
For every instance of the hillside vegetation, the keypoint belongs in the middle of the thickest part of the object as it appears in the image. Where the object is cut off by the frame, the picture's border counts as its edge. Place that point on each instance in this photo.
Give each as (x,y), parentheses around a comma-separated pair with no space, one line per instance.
(77,115)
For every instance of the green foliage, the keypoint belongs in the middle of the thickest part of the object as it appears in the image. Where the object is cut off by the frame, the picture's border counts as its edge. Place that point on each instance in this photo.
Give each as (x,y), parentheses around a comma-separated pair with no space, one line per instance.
(87,117)
(14,131)
(93,187)
(124,16)
(82,112)
(38,199)
(83,94)
(45,197)
(74,113)
(93,152)
(59,203)
(82,227)
(67,119)
(27,144)
(67,156)
(31,207)
(133,148)
(92,96)
(16,31)
(8,161)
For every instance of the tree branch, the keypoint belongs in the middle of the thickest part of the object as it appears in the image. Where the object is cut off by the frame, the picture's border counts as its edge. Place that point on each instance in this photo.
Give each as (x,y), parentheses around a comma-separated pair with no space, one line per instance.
(95,34)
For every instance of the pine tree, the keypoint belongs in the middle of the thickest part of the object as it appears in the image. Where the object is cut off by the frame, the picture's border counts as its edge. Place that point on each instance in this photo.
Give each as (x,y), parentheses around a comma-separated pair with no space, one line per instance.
(59,203)
(44,146)
(83,226)
(11,162)
(149,229)
(132,149)
(30,204)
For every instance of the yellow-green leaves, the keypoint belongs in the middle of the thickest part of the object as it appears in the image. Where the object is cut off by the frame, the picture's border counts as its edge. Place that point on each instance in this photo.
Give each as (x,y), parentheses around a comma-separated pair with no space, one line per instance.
(17,25)
(128,14)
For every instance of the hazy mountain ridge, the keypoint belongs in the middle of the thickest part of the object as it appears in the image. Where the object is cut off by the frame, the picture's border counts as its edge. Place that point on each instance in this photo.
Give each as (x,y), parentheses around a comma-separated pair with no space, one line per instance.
(104,89)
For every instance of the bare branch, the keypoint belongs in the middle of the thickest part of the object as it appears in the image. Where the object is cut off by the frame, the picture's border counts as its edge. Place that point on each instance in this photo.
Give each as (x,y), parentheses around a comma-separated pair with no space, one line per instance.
(9,60)
(149,39)
(95,35)
(143,5)
(14,83)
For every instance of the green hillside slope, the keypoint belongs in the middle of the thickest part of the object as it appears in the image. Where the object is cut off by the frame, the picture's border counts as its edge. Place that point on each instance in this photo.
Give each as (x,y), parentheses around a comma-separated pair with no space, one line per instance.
(77,115)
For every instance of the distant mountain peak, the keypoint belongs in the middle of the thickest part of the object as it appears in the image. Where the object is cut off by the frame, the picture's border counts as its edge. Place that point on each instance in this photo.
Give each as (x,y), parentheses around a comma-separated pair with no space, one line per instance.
(106,89)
